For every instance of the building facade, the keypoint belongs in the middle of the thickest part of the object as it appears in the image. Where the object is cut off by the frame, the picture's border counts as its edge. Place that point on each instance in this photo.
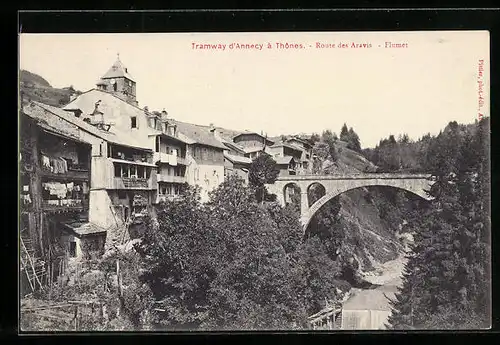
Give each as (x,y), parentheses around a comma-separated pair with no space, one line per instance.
(54,176)
(183,152)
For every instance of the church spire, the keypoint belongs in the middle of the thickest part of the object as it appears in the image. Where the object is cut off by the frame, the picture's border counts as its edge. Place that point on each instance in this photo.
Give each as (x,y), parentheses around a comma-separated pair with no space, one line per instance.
(119,81)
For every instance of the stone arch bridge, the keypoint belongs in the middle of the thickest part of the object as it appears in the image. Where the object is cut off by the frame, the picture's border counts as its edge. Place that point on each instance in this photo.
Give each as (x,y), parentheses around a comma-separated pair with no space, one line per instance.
(335,185)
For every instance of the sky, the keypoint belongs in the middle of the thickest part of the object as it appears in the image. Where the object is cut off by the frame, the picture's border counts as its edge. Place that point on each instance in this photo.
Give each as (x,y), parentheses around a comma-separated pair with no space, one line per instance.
(415,89)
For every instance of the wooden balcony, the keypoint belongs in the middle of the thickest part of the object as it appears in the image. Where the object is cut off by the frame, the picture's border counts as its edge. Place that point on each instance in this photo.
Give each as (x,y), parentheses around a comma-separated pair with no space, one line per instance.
(166,158)
(71,174)
(65,205)
(133,183)
(170,178)
(167,197)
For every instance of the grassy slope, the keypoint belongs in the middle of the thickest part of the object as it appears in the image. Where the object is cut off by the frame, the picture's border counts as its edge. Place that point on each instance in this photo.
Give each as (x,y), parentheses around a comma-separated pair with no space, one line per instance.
(36,88)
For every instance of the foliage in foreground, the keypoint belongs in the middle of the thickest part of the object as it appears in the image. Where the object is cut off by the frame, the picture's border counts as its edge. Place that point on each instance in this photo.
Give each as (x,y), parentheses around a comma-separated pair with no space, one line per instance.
(95,283)
(234,263)
(446,282)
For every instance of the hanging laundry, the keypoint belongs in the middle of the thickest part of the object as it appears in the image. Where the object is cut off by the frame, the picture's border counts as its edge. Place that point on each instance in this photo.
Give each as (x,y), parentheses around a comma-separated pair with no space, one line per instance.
(46,162)
(85,188)
(55,165)
(56,188)
(26,199)
(77,188)
(64,165)
(69,186)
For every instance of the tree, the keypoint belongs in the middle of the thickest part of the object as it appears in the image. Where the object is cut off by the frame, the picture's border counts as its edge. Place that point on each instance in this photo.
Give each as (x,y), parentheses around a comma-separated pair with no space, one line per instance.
(314,138)
(254,286)
(178,259)
(232,263)
(263,170)
(450,261)
(344,133)
(353,141)
(329,139)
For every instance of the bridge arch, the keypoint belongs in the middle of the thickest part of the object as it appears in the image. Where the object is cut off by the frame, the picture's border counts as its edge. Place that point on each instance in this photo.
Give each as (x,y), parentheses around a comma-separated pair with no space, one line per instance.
(307,216)
(315,191)
(292,193)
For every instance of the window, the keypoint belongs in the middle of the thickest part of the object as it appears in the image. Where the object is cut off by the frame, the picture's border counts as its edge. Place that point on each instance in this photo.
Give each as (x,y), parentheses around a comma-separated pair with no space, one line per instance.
(141,172)
(115,87)
(125,171)
(133,122)
(83,156)
(72,249)
(133,171)
(157,144)
(172,131)
(118,170)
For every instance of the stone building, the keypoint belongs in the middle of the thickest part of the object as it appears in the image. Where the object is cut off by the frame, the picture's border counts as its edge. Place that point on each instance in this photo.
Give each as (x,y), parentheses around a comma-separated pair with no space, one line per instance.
(54,182)
(252,143)
(121,170)
(183,152)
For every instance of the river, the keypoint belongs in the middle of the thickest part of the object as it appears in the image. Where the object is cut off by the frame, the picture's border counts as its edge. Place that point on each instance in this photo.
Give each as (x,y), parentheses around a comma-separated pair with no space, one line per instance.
(369,308)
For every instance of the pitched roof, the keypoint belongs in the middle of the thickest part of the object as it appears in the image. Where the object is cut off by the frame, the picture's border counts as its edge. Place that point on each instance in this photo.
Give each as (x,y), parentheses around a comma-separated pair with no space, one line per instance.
(303,141)
(189,133)
(117,70)
(237,159)
(50,127)
(290,146)
(199,134)
(84,228)
(253,149)
(253,133)
(283,160)
(233,145)
(124,140)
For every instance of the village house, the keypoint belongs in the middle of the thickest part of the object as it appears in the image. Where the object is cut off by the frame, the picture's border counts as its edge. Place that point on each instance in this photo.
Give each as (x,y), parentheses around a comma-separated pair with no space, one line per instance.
(235,162)
(55,183)
(122,179)
(252,143)
(183,152)
(287,156)
(307,152)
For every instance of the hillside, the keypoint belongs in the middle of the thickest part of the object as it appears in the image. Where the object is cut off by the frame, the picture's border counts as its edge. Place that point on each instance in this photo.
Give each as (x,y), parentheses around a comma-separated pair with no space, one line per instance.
(372,217)
(36,88)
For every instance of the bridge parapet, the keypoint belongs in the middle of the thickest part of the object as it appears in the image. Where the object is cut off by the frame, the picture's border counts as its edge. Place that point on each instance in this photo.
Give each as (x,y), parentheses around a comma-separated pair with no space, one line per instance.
(359,176)
(334,185)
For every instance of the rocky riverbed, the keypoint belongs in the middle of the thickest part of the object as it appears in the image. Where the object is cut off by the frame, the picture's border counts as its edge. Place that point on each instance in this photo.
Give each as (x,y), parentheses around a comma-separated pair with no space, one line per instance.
(369,307)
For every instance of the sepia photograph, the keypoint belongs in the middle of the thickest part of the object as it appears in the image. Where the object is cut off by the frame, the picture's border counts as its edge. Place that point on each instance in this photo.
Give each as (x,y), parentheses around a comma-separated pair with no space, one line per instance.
(254,181)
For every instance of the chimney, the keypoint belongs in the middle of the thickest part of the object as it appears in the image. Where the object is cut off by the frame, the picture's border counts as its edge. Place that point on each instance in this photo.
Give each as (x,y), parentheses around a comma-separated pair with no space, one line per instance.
(164,114)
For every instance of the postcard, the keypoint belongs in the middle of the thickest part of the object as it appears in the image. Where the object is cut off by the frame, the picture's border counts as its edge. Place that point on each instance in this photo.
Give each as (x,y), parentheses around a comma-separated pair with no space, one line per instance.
(254,181)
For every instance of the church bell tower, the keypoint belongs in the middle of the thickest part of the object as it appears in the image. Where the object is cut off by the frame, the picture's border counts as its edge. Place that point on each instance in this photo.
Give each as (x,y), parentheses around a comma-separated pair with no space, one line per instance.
(119,82)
